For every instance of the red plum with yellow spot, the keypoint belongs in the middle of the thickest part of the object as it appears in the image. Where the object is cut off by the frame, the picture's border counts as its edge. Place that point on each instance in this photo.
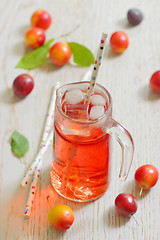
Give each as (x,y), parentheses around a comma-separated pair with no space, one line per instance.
(34,37)
(61,217)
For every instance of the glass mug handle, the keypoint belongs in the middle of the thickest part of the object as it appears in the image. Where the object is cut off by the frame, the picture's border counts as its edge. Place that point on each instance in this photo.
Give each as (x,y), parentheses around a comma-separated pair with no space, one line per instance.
(125,140)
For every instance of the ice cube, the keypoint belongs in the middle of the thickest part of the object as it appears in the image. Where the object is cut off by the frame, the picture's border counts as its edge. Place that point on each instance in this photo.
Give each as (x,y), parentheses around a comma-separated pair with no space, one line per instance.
(74,96)
(70,128)
(96,112)
(97,100)
(77,111)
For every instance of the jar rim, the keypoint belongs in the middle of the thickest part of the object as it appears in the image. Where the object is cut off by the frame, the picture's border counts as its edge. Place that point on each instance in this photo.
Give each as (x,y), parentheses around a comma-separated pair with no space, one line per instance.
(59,95)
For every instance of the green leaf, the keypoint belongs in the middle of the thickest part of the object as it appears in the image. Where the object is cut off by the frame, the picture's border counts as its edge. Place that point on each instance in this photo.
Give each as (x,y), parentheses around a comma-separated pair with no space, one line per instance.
(19,144)
(81,55)
(36,57)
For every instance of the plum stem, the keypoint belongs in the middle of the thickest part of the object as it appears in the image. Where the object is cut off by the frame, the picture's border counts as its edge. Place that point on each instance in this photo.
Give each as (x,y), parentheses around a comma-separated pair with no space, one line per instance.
(68,33)
(48,201)
(141,191)
(135,220)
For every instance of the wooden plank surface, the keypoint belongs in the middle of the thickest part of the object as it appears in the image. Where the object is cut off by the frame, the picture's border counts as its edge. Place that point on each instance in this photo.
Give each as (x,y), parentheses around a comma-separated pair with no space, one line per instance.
(126,76)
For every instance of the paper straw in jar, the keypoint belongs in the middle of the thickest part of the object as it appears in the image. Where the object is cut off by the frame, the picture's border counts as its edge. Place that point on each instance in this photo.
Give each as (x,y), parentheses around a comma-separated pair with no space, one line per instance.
(97,64)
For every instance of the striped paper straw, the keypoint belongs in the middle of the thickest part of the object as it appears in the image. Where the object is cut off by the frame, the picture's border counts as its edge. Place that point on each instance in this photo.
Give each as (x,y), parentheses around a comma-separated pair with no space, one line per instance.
(96,67)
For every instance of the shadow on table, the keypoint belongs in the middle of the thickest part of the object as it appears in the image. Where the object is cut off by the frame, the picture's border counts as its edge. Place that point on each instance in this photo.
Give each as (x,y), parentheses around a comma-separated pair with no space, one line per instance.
(8,97)
(12,211)
(113,220)
(48,66)
(11,214)
(20,48)
(147,94)
(130,187)
(111,216)
(23,29)
(109,53)
(123,23)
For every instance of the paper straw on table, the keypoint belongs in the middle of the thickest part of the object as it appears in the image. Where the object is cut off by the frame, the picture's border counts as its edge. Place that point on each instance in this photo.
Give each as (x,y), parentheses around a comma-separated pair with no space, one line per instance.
(36,160)
(46,135)
(46,138)
(96,67)
(34,182)
(44,143)
(32,191)
(87,75)
(49,118)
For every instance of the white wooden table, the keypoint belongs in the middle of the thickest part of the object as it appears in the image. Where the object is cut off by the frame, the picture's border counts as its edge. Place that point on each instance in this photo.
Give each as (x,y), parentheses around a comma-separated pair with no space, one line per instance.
(126,76)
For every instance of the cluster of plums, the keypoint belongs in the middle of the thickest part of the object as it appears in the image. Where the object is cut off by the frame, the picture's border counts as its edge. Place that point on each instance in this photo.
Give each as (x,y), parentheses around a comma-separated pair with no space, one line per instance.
(146,177)
(60,52)
(61,217)
(119,40)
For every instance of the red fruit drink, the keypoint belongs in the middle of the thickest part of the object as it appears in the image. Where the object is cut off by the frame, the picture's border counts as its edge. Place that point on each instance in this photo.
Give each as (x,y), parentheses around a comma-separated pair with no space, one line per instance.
(80,165)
